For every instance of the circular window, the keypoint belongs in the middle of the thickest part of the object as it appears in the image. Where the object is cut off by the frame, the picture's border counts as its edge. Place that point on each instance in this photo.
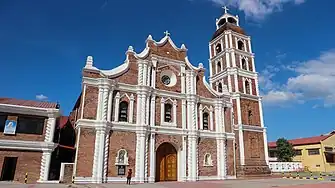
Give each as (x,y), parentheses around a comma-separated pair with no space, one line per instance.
(166,80)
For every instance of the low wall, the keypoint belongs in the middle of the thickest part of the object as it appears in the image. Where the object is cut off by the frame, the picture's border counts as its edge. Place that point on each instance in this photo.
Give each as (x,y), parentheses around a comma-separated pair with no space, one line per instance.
(285,166)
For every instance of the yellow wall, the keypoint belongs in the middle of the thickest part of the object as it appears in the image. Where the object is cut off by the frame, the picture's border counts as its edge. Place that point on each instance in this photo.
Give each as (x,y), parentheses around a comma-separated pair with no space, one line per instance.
(329,142)
(316,163)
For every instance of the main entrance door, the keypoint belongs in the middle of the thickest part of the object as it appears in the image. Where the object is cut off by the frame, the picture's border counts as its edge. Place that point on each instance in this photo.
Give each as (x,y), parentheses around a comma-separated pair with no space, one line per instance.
(8,169)
(166,163)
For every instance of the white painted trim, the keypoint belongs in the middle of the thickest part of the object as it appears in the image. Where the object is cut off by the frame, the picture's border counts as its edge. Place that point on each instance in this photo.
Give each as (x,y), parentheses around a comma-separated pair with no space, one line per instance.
(110,104)
(204,178)
(17,109)
(27,145)
(83,101)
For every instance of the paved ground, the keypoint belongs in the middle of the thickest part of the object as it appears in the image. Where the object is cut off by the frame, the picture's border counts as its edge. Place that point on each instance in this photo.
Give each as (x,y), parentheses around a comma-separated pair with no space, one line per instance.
(256,183)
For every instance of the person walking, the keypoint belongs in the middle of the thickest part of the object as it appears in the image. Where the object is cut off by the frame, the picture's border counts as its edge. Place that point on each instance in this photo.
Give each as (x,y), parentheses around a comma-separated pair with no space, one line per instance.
(129,176)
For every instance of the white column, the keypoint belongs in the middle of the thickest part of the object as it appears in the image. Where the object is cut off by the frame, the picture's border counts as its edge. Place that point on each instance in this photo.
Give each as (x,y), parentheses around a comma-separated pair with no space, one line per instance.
(201,117)
(184,114)
(192,158)
(162,110)
(223,124)
(83,102)
(140,160)
(237,89)
(45,165)
(152,110)
(131,109)
(266,151)
(243,84)
(249,43)
(106,154)
(100,101)
(50,131)
(182,78)
(184,159)
(174,111)
(152,159)
(147,110)
(240,130)
(116,107)
(110,104)
(98,160)
(211,118)
(148,75)
(145,73)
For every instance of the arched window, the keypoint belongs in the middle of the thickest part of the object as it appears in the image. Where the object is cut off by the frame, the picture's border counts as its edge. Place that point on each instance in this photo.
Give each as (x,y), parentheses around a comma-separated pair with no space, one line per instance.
(205,121)
(249,117)
(218,67)
(244,64)
(220,87)
(240,45)
(208,160)
(218,48)
(122,157)
(168,113)
(123,111)
(247,87)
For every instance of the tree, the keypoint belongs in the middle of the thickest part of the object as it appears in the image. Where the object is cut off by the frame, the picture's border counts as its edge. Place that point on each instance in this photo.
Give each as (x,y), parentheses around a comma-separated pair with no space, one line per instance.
(284,151)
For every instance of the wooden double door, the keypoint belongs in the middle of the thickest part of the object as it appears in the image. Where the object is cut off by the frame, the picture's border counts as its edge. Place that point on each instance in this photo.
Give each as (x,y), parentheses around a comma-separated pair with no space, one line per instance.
(166,163)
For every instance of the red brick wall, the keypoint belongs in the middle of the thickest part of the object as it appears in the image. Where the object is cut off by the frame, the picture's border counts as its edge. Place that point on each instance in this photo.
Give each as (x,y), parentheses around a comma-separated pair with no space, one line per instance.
(121,140)
(167,51)
(252,105)
(175,69)
(250,65)
(175,140)
(85,152)
(253,87)
(253,148)
(207,145)
(228,123)
(27,161)
(201,88)
(233,83)
(230,158)
(91,102)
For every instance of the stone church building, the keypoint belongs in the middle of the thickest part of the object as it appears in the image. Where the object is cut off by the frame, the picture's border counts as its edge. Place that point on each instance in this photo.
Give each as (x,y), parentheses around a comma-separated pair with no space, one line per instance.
(157,115)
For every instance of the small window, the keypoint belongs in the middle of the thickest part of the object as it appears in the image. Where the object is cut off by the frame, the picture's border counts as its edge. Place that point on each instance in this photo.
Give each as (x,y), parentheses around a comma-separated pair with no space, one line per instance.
(314,152)
(208,160)
(30,125)
(220,87)
(205,121)
(218,67)
(240,45)
(247,87)
(244,64)
(3,119)
(328,149)
(168,113)
(123,111)
(298,152)
(250,117)
(218,48)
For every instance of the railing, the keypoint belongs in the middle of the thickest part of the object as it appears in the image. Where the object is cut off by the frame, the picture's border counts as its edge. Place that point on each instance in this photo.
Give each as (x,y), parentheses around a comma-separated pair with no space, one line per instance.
(285,166)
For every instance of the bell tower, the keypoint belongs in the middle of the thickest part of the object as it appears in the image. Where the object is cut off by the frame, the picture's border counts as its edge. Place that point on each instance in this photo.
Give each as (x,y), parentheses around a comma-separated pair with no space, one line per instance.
(232,64)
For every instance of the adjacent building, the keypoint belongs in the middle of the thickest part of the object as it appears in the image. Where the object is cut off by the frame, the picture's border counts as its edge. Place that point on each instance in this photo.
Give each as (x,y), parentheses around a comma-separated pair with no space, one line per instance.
(26,139)
(157,115)
(315,153)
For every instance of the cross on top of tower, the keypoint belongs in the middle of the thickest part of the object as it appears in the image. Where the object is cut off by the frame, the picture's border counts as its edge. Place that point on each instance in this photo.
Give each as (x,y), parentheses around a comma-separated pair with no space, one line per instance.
(167,33)
(225,9)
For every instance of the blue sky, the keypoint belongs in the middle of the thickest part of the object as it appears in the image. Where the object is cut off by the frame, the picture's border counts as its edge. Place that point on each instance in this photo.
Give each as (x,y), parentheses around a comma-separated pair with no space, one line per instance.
(44,44)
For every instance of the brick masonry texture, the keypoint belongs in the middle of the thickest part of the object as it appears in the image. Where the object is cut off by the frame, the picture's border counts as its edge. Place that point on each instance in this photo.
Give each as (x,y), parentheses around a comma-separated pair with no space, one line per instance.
(159,84)
(230,158)
(228,123)
(253,106)
(27,161)
(207,146)
(201,88)
(175,140)
(68,171)
(253,147)
(166,51)
(130,77)
(85,152)
(121,140)
(91,102)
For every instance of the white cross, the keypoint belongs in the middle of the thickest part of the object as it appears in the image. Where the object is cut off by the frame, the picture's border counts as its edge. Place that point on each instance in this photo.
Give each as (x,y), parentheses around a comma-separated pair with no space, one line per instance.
(167,33)
(225,9)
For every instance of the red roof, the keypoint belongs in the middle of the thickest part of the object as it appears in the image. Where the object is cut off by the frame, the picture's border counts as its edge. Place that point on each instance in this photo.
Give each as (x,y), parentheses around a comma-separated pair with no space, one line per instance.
(28,103)
(62,121)
(303,141)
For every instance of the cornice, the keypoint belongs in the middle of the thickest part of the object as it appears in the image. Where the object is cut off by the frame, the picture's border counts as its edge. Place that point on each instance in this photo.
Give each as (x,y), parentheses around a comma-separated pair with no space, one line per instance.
(46,112)
(27,145)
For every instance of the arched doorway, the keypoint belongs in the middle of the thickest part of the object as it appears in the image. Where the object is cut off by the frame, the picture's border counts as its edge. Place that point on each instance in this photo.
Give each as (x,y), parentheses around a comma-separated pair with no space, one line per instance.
(166,163)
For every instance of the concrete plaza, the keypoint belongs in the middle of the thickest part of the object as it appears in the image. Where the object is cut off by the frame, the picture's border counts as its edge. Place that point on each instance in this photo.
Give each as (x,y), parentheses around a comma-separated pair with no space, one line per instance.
(255,183)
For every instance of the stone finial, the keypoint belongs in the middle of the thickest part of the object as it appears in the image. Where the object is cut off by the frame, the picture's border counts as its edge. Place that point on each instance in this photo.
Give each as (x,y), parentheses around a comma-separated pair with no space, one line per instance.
(130,49)
(183,47)
(89,61)
(149,38)
(201,66)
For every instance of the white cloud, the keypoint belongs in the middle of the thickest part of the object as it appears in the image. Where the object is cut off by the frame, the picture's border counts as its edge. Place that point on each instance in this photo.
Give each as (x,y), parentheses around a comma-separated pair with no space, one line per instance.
(257,9)
(41,97)
(313,80)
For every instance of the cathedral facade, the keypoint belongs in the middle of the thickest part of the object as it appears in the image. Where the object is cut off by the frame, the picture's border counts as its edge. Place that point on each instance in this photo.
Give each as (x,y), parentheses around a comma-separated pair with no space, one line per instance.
(157,115)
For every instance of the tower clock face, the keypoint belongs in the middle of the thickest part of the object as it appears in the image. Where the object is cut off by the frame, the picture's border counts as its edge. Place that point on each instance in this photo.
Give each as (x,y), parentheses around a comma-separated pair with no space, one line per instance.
(166,80)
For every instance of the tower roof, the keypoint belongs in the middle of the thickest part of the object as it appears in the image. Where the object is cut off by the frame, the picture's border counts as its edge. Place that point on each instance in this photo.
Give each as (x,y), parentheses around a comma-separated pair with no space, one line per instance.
(227,22)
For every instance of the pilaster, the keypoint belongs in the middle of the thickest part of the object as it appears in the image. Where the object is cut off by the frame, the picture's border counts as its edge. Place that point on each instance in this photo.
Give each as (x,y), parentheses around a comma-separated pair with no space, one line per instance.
(152,159)
(140,156)
(45,165)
